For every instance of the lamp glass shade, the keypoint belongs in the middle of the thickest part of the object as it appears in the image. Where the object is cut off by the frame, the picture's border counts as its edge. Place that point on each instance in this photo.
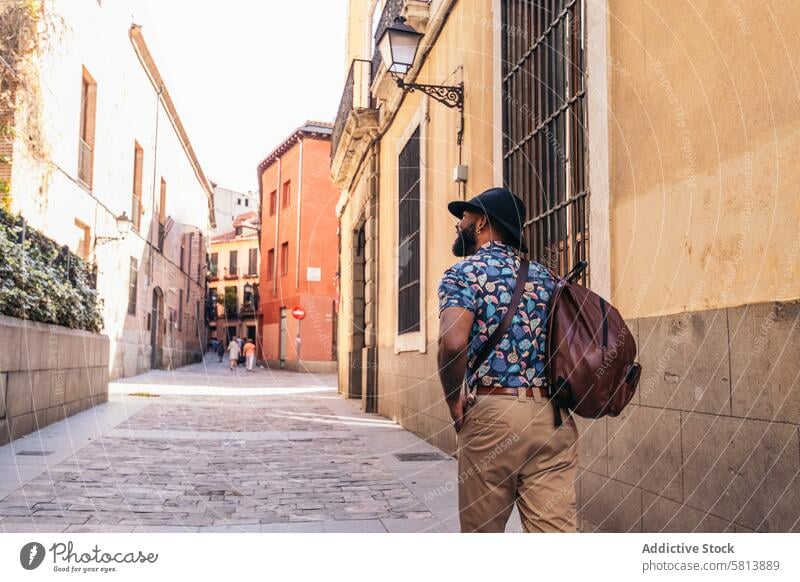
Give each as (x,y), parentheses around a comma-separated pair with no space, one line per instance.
(123,224)
(398,46)
(248,288)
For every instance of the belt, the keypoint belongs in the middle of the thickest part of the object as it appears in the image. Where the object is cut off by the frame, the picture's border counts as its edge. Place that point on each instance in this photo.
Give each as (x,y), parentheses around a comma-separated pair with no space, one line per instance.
(496,390)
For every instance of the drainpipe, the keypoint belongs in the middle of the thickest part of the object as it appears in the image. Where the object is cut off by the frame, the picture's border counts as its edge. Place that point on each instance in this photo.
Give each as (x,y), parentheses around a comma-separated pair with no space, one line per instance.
(277,252)
(299,204)
(155,172)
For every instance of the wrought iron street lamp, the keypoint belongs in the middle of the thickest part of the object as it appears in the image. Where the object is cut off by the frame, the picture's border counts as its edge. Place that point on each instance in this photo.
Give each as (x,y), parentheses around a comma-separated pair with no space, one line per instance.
(398,45)
(123,224)
(123,227)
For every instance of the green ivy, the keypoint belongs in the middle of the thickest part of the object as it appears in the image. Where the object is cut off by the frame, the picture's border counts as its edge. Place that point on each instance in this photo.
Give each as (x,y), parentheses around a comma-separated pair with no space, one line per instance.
(41,281)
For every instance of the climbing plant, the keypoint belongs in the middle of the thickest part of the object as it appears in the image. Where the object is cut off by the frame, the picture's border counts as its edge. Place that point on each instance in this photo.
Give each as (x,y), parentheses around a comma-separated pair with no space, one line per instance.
(27,30)
(42,281)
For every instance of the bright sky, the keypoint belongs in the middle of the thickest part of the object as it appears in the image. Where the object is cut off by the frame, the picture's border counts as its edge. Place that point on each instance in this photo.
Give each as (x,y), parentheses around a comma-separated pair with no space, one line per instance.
(245,73)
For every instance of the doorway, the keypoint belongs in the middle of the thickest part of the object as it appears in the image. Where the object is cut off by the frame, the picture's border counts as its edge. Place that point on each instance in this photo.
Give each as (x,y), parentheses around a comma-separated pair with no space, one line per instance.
(356,388)
(157,330)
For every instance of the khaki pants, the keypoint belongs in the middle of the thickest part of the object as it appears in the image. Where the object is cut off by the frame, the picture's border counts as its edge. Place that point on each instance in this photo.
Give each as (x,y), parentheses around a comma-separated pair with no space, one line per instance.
(510,451)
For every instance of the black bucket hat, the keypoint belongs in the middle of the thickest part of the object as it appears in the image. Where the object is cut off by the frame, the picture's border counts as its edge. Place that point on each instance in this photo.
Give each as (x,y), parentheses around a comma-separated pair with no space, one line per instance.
(499,204)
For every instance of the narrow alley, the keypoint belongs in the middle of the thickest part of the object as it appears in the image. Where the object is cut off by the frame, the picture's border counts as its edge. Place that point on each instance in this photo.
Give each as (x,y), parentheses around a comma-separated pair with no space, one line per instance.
(206,449)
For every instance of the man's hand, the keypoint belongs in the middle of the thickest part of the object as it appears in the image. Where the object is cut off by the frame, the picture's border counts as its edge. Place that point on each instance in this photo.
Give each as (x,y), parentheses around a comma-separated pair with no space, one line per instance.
(458,408)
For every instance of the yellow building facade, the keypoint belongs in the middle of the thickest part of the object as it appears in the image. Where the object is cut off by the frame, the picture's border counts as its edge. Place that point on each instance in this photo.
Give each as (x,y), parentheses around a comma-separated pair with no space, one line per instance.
(653,141)
(233,280)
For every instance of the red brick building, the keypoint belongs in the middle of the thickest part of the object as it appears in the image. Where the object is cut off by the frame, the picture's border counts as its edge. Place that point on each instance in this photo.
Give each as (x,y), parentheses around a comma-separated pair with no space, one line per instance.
(299,249)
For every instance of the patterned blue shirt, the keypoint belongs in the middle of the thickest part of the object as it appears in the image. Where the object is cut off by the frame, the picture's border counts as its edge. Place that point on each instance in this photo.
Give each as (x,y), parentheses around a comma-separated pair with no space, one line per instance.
(483,284)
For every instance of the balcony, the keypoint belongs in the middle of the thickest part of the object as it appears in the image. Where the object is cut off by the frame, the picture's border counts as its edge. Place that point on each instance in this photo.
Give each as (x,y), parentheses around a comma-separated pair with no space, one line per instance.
(85,163)
(356,124)
(162,236)
(247,310)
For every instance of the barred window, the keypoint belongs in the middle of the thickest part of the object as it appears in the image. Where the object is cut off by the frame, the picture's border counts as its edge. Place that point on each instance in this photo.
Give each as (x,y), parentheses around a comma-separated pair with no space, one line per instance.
(270,264)
(252,267)
(214,264)
(285,258)
(133,286)
(233,257)
(409,232)
(544,125)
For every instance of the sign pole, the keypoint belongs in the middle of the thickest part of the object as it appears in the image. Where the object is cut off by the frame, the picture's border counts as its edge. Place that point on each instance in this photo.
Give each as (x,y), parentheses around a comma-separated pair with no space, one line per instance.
(298,313)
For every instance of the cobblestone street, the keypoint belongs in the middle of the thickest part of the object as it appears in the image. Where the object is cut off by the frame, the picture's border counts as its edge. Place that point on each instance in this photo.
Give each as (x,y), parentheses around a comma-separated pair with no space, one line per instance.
(207,449)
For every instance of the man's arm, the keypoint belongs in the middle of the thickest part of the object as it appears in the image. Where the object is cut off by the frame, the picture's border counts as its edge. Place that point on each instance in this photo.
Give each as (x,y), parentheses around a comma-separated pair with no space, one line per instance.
(454,327)
(455,324)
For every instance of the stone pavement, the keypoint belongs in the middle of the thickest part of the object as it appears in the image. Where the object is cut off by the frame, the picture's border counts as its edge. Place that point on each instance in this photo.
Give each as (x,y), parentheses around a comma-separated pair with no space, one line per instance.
(204,449)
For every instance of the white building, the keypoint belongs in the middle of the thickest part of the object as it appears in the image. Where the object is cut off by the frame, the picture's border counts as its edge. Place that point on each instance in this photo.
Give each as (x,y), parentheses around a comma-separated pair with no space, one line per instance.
(228,204)
(113,143)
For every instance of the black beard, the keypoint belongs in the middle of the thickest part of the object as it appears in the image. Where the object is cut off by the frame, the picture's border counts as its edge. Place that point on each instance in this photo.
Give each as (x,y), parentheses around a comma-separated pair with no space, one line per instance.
(466,242)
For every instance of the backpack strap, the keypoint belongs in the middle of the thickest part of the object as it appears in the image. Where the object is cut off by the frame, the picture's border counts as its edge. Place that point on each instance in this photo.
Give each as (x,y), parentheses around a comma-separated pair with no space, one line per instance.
(500,330)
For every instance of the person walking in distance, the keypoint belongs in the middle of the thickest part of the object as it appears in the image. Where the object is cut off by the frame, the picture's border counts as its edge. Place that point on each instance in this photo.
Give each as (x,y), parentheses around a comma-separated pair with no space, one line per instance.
(233,353)
(492,369)
(220,349)
(250,354)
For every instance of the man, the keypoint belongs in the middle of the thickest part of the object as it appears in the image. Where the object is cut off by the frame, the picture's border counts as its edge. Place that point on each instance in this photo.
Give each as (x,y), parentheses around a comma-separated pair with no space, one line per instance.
(509,449)
(250,354)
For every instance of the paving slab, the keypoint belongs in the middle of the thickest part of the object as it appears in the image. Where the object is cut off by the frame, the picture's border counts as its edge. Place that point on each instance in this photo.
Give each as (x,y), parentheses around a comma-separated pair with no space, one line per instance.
(202,449)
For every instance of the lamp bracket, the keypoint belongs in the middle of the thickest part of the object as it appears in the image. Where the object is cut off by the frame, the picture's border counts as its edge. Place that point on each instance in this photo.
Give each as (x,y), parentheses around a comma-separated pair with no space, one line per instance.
(449,95)
(104,239)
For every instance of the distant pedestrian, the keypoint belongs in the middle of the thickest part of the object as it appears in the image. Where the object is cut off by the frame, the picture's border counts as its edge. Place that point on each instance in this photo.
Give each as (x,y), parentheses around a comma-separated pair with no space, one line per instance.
(250,354)
(507,408)
(234,352)
(220,349)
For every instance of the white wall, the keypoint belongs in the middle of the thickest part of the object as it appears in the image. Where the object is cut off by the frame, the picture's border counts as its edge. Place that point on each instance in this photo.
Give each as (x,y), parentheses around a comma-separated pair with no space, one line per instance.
(48,195)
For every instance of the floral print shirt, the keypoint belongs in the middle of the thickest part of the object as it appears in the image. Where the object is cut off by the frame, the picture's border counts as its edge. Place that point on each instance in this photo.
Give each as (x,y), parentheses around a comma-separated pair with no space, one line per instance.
(484,284)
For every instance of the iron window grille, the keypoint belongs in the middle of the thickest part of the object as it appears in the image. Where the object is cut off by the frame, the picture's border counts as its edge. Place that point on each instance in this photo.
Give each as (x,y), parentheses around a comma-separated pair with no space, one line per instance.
(544,126)
(233,258)
(133,286)
(252,266)
(408,287)
(214,264)
(270,264)
(285,259)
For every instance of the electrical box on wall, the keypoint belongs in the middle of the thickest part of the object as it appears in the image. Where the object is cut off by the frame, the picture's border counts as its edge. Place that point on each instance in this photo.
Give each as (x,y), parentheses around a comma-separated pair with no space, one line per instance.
(460,173)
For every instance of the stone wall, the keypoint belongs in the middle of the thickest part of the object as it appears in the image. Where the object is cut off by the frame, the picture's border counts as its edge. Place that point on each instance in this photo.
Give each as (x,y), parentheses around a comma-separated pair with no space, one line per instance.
(409,392)
(710,442)
(47,373)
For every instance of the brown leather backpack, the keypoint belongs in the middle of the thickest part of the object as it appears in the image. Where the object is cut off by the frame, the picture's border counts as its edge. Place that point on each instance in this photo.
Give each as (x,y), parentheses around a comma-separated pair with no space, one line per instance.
(590,352)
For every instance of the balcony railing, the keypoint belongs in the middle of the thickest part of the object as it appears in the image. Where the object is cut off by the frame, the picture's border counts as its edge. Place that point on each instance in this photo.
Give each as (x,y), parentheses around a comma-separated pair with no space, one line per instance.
(247,309)
(162,235)
(85,163)
(355,96)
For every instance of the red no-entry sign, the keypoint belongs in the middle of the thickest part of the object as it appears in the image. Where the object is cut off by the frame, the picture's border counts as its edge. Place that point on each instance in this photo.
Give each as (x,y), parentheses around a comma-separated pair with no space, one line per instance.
(298,312)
